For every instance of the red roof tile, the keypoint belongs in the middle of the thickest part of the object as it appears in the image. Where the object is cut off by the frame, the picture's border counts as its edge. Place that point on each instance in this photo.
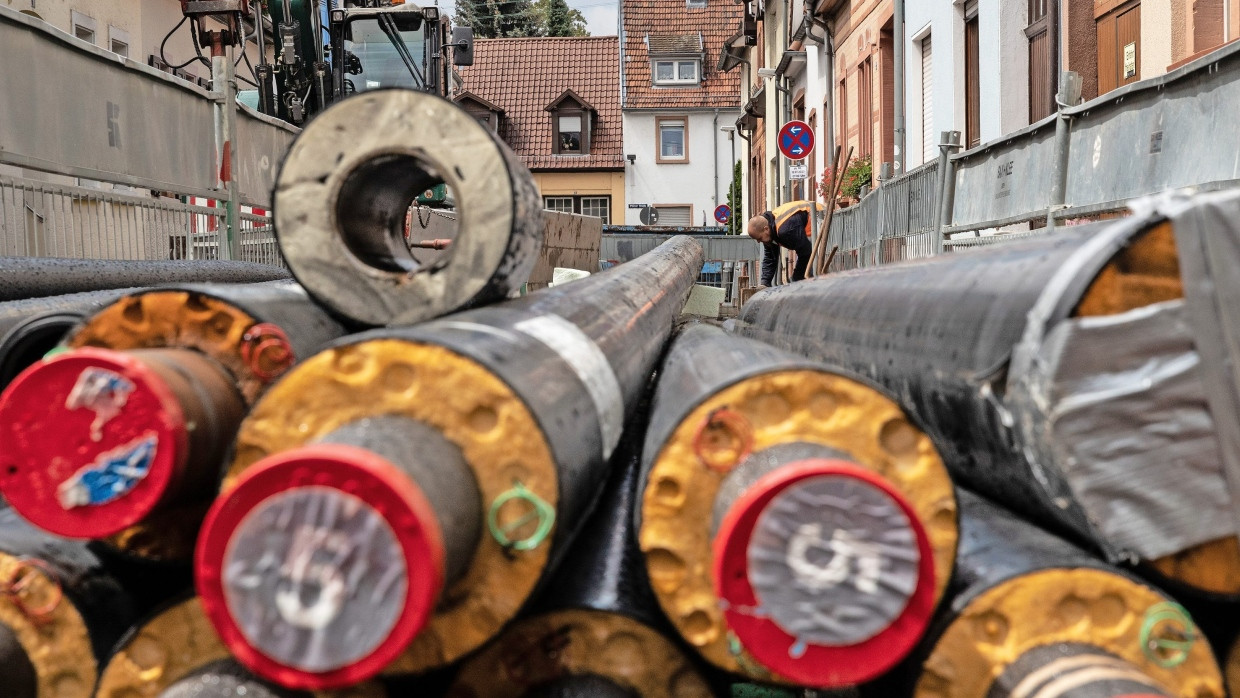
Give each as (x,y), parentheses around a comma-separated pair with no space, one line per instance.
(524,76)
(659,19)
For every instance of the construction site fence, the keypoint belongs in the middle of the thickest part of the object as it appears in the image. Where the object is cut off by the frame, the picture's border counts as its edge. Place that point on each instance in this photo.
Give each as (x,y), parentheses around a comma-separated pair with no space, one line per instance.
(1170,132)
(108,221)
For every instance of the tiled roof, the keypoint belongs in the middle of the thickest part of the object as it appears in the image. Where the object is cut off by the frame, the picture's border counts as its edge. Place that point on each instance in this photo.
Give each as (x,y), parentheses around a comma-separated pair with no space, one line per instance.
(717,21)
(664,44)
(524,76)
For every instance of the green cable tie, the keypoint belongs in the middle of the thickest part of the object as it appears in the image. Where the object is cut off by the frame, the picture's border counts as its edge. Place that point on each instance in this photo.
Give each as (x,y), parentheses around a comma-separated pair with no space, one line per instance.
(540,510)
(55,351)
(1153,647)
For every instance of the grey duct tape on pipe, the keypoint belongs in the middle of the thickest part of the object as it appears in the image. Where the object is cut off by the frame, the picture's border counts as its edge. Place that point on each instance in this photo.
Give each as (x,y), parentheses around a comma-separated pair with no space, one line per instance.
(1207,237)
(345,189)
(1118,405)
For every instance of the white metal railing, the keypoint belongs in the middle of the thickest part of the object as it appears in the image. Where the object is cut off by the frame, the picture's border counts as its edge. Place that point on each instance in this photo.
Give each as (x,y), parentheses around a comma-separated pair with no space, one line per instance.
(50,219)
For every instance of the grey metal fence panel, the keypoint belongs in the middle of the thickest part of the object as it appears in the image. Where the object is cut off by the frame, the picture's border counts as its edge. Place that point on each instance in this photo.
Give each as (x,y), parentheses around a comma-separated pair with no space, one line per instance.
(47,219)
(1008,179)
(262,143)
(72,108)
(1172,131)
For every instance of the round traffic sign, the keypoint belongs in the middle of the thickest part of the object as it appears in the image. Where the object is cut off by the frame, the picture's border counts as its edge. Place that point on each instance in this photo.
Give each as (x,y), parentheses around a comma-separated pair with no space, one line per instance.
(650,215)
(723,213)
(796,140)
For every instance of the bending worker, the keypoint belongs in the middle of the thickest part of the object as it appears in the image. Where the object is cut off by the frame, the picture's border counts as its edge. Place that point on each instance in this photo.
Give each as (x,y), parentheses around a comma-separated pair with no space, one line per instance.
(787,226)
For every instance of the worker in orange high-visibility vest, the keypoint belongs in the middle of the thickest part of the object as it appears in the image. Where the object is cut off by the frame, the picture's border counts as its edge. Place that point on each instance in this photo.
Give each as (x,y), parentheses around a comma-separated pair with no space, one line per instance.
(787,226)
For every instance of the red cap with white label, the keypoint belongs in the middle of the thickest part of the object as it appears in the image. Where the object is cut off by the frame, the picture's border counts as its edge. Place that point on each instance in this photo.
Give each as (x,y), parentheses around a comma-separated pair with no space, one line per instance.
(826,573)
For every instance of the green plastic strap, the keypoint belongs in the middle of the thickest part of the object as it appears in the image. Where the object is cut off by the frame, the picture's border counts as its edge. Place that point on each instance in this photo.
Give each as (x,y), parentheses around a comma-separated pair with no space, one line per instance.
(1167,652)
(539,509)
(55,351)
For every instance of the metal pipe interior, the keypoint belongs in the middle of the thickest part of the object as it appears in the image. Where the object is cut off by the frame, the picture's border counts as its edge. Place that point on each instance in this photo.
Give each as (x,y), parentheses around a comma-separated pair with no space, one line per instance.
(373,203)
(438,468)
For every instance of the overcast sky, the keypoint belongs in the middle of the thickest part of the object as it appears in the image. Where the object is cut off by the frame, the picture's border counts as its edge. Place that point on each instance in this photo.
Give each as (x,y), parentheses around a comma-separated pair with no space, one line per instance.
(600,14)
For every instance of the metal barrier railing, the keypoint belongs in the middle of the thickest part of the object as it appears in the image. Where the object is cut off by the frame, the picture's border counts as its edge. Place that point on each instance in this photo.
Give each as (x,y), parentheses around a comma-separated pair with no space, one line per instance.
(50,219)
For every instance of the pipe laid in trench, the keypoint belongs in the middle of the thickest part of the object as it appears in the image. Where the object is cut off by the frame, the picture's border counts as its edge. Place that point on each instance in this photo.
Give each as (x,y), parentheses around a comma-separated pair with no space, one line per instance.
(32,277)
(530,395)
(1063,376)
(1030,614)
(345,189)
(60,613)
(124,435)
(595,628)
(797,526)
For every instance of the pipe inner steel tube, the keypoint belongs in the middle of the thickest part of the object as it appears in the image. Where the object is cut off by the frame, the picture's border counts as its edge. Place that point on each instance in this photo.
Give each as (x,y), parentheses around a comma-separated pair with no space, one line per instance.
(533,393)
(343,196)
(818,521)
(98,439)
(368,546)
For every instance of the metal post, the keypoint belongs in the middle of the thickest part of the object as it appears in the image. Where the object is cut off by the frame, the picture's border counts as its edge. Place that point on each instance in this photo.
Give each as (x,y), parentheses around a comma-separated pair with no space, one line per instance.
(898,75)
(949,142)
(1069,94)
(224,84)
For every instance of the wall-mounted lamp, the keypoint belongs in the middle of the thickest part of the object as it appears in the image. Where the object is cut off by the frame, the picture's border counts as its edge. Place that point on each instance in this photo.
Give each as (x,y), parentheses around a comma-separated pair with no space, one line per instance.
(632,158)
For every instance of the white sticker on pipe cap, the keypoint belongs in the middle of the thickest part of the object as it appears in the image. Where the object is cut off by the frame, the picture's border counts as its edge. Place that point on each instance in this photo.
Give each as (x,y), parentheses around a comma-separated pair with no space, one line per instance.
(590,365)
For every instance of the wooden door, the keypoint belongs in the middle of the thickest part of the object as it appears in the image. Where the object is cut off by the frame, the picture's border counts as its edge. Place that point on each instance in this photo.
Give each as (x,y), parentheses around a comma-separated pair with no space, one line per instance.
(1119,47)
(972,85)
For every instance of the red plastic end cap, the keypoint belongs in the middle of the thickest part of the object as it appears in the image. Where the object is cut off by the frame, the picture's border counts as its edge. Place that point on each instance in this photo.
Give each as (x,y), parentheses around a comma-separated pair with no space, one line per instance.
(814,569)
(320,566)
(91,440)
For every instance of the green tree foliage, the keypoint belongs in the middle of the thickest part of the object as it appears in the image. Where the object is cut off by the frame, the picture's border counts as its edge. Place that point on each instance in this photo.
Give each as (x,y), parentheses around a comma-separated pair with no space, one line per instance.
(558,19)
(498,19)
(736,226)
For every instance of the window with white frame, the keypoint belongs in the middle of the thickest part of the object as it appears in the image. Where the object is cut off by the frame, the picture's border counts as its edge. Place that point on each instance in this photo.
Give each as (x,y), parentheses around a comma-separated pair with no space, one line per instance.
(83,26)
(676,71)
(563,204)
(697,4)
(673,133)
(118,41)
(597,206)
(570,134)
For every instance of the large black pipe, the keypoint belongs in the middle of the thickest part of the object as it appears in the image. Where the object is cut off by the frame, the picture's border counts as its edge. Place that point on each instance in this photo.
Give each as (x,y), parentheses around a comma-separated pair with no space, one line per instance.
(534,392)
(159,379)
(972,344)
(1026,607)
(598,598)
(30,277)
(61,594)
(342,201)
(741,435)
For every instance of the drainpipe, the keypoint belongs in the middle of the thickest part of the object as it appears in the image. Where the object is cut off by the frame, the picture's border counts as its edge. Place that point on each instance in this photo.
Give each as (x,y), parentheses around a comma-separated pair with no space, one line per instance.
(949,143)
(715,138)
(898,101)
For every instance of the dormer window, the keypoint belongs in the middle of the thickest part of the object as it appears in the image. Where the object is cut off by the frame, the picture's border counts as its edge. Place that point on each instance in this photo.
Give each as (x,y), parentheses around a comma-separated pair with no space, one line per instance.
(695,4)
(485,112)
(675,59)
(570,135)
(572,124)
(676,72)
